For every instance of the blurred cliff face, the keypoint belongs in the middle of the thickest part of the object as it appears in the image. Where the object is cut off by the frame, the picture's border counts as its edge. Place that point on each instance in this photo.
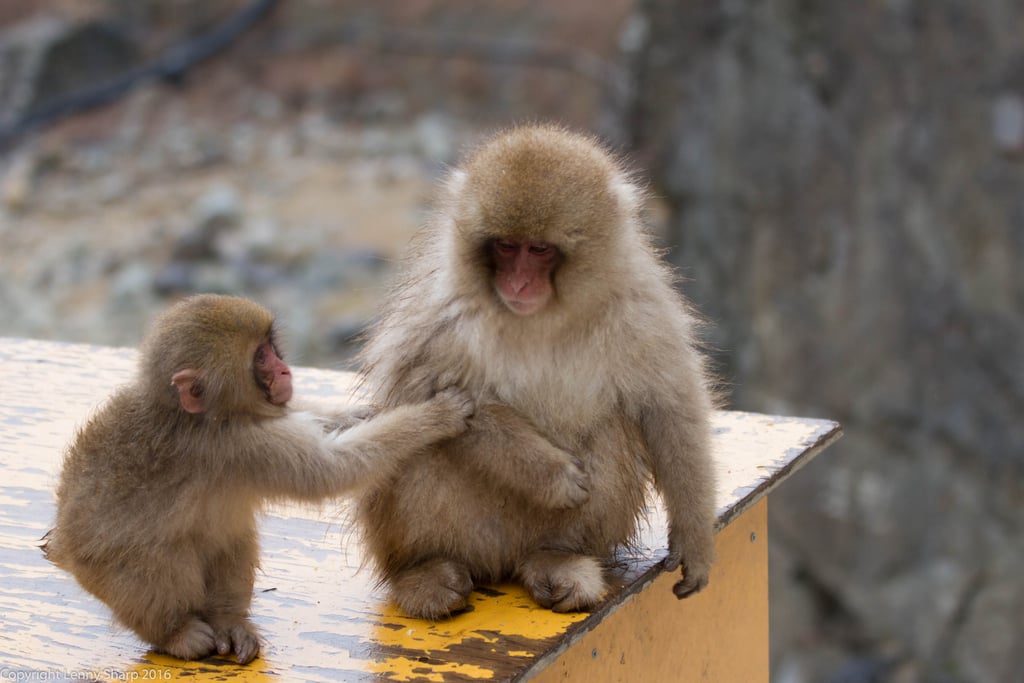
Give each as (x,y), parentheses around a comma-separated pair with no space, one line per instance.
(846,185)
(291,166)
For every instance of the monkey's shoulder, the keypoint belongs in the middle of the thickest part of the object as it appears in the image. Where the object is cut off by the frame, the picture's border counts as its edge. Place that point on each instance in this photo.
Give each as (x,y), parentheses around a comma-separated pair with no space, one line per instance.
(130,433)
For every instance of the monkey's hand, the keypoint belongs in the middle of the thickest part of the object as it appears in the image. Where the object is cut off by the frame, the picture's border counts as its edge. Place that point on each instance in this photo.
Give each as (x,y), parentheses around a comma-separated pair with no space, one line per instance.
(507,449)
(453,407)
(694,551)
(569,487)
(346,419)
(333,419)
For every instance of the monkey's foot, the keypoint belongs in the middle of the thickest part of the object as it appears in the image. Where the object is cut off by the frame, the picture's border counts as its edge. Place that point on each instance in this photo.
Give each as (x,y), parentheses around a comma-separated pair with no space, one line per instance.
(563,582)
(695,561)
(432,590)
(689,585)
(194,640)
(241,637)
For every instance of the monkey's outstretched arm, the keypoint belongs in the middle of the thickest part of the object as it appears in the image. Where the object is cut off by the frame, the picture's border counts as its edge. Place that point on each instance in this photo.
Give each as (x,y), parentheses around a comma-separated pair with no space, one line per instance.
(679,443)
(333,418)
(293,457)
(375,447)
(506,448)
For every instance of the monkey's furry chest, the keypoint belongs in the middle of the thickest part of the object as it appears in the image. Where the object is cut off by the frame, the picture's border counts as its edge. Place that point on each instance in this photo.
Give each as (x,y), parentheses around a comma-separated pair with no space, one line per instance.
(559,388)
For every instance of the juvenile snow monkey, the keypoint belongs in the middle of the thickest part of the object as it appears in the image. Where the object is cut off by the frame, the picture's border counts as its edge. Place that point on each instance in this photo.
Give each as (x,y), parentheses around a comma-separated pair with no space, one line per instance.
(158,495)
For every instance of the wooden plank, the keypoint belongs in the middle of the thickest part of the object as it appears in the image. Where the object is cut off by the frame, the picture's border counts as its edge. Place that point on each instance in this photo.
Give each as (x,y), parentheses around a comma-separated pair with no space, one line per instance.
(720,634)
(321,615)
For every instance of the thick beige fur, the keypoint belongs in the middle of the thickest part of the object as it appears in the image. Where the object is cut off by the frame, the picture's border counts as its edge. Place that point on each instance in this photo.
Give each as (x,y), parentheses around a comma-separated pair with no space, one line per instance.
(579,406)
(156,506)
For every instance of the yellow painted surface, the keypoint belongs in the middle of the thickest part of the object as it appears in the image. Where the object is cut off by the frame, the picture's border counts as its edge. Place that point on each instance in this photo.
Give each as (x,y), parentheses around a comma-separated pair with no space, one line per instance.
(320,614)
(719,635)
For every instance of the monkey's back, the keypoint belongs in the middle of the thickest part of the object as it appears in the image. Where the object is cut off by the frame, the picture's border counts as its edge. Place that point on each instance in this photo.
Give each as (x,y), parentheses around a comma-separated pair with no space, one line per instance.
(127,486)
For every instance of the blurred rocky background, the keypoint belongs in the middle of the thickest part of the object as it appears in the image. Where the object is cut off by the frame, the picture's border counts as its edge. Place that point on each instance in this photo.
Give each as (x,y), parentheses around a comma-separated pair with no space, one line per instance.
(841,183)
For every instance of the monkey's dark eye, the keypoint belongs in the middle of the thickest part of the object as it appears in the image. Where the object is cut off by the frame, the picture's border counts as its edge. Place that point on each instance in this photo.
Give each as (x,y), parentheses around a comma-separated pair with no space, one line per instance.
(540,249)
(261,356)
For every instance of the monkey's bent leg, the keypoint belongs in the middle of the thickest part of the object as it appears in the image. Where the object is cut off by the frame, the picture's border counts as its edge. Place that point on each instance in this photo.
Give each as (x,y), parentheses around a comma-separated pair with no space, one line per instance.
(229,582)
(563,582)
(507,449)
(435,589)
(160,602)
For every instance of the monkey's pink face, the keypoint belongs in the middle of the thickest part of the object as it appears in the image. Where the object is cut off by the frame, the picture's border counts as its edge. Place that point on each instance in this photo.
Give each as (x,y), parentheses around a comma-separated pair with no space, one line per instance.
(272,374)
(523,273)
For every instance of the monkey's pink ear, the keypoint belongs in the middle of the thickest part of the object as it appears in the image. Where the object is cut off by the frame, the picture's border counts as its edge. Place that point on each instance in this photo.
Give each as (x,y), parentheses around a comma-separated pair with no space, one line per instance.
(190,391)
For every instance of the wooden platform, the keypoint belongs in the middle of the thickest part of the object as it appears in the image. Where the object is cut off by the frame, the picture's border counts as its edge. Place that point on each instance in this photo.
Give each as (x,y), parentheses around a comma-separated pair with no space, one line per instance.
(320,614)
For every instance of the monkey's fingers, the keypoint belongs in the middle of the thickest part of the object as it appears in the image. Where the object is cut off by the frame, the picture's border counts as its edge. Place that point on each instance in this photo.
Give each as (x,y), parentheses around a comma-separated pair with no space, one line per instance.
(247,651)
(460,400)
(571,487)
(672,560)
(444,379)
(351,417)
(240,637)
(689,585)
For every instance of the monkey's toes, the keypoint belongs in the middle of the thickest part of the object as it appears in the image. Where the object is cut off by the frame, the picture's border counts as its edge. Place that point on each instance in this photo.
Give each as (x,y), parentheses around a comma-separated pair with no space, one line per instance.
(247,646)
(567,597)
(242,638)
(434,590)
(194,640)
(461,401)
(689,585)
(431,602)
(672,561)
(565,583)
(695,555)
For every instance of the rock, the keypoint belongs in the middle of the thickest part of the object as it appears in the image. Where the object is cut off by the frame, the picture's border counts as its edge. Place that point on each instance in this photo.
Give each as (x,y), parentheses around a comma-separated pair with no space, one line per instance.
(85,55)
(214,277)
(187,147)
(989,644)
(259,277)
(847,214)
(1008,123)
(341,268)
(133,280)
(253,240)
(23,50)
(435,138)
(18,181)
(33,315)
(175,278)
(216,212)
(219,203)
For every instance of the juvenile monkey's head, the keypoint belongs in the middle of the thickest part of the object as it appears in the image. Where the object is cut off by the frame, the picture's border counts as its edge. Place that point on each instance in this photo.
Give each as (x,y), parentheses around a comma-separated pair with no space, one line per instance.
(217,355)
(538,215)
